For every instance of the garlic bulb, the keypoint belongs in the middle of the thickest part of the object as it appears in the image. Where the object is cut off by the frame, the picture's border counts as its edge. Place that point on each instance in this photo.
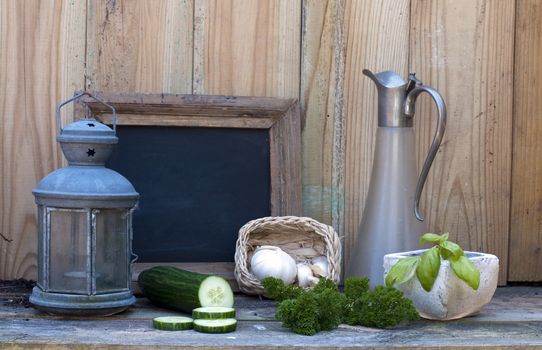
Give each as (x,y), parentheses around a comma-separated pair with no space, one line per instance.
(305,278)
(271,261)
(320,266)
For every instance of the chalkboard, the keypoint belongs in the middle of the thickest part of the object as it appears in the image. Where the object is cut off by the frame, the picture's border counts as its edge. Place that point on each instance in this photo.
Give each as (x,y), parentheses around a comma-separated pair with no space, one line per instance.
(198,186)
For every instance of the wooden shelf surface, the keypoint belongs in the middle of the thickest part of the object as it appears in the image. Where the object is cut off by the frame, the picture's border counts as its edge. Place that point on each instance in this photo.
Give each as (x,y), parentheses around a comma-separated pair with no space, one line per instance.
(513,319)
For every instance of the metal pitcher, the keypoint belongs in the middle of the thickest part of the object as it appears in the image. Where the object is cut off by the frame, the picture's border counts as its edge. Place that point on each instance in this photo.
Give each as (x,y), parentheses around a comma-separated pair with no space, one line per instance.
(391,220)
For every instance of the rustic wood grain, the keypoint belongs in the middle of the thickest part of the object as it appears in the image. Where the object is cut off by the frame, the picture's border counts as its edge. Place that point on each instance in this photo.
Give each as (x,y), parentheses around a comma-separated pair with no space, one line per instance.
(526,211)
(42,58)
(322,75)
(194,120)
(464,49)
(188,110)
(376,34)
(247,47)
(140,46)
(182,104)
(285,144)
(499,326)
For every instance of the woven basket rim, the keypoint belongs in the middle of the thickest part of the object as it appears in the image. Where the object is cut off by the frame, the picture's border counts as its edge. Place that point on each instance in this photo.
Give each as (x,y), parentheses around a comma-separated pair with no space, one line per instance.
(322,233)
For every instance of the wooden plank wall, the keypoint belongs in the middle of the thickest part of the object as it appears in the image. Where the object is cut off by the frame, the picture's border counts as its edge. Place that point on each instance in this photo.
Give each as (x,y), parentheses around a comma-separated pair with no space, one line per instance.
(139,46)
(42,61)
(484,185)
(464,49)
(526,213)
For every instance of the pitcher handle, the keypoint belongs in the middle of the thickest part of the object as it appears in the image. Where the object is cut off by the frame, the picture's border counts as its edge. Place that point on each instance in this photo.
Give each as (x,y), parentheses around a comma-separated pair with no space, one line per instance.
(410,102)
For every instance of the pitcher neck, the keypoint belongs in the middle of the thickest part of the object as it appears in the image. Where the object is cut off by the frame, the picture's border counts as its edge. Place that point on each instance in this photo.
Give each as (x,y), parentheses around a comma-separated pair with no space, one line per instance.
(391,109)
(392,91)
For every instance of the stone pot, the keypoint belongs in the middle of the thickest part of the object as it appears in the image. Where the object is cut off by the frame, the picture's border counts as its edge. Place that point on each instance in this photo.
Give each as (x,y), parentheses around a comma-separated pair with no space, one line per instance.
(450,298)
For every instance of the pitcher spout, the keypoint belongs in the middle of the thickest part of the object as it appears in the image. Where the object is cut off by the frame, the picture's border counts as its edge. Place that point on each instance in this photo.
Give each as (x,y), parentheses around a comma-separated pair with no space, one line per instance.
(392,90)
(386,80)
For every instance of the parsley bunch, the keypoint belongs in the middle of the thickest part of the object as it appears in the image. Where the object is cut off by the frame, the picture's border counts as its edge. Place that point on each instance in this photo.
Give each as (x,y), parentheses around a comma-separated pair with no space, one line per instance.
(307,311)
(324,307)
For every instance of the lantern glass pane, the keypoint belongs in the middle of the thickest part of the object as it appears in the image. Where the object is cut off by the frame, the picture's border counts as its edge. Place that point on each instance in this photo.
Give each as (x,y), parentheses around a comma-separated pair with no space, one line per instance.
(68,263)
(112,265)
(41,247)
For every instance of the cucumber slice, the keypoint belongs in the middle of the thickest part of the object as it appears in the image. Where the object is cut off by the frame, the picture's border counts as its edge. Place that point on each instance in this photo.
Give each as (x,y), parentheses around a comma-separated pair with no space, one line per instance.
(215,291)
(172,323)
(215,326)
(213,312)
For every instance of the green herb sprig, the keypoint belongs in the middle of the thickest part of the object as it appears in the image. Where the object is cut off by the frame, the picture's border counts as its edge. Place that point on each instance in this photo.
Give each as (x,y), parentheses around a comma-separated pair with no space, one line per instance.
(324,307)
(384,307)
(307,312)
(426,267)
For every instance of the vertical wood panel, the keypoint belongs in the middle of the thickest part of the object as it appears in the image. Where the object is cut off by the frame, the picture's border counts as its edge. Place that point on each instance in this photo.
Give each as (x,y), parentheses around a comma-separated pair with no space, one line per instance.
(464,49)
(377,39)
(140,46)
(322,65)
(247,47)
(42,59)
(526,213)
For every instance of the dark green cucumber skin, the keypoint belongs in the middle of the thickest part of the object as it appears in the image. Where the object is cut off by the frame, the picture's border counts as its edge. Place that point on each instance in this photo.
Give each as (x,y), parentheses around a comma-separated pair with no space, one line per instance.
(171,288)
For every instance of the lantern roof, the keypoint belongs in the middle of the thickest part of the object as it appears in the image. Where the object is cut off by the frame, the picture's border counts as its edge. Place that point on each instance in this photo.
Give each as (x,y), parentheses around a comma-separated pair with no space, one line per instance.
(85,186)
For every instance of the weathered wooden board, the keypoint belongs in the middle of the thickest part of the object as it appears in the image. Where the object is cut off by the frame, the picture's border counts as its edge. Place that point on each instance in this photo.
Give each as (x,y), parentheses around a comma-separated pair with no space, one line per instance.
(499,325)
(464,49)
(376,34)
(42,60)
(140,46)
(526,212)
(322,75)
(247,47)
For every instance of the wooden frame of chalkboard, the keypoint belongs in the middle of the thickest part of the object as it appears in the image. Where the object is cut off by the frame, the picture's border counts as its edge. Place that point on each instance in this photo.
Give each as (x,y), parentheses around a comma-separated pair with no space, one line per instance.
(280,116)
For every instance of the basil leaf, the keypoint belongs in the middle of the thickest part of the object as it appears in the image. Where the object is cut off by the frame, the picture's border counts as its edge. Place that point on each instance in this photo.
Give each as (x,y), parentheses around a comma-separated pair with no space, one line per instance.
(444,237)
(430,238)
(444,253)
(450,250)
(465,270)
(428,268)
(402,271)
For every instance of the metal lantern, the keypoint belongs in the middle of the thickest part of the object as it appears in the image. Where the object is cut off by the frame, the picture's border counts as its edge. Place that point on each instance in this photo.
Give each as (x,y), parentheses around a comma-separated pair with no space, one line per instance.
(84,225)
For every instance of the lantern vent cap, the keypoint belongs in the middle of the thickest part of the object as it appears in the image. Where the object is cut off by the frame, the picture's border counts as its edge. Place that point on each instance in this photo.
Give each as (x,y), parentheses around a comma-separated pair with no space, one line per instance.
(87,131)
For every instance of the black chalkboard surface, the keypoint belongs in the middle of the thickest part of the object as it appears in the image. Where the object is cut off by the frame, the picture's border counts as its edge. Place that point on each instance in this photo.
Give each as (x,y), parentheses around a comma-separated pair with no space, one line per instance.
(198,186)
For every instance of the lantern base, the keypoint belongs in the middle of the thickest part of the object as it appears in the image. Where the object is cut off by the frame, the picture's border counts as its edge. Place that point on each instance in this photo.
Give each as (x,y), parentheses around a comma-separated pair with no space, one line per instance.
(81,305)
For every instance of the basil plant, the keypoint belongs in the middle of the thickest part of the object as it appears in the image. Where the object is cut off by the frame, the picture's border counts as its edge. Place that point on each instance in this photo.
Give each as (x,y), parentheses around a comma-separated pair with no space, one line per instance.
(426,266)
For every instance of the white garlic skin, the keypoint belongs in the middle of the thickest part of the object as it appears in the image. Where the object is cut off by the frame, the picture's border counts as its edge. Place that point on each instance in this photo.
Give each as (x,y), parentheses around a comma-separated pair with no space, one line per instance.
(320,266)
(271,261)
(305,278)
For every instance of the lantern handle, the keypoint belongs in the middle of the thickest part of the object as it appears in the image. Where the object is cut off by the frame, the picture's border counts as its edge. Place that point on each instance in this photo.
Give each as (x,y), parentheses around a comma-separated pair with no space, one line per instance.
(85,93)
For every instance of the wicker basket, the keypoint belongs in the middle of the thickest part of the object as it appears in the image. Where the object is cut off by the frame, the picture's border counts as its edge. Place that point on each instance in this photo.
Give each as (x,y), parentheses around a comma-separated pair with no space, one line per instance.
(301,237)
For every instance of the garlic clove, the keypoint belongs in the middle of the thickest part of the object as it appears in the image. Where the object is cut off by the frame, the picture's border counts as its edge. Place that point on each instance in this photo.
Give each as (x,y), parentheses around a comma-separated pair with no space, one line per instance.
(320,266)
(271,261)
(318,271)
(305,278)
